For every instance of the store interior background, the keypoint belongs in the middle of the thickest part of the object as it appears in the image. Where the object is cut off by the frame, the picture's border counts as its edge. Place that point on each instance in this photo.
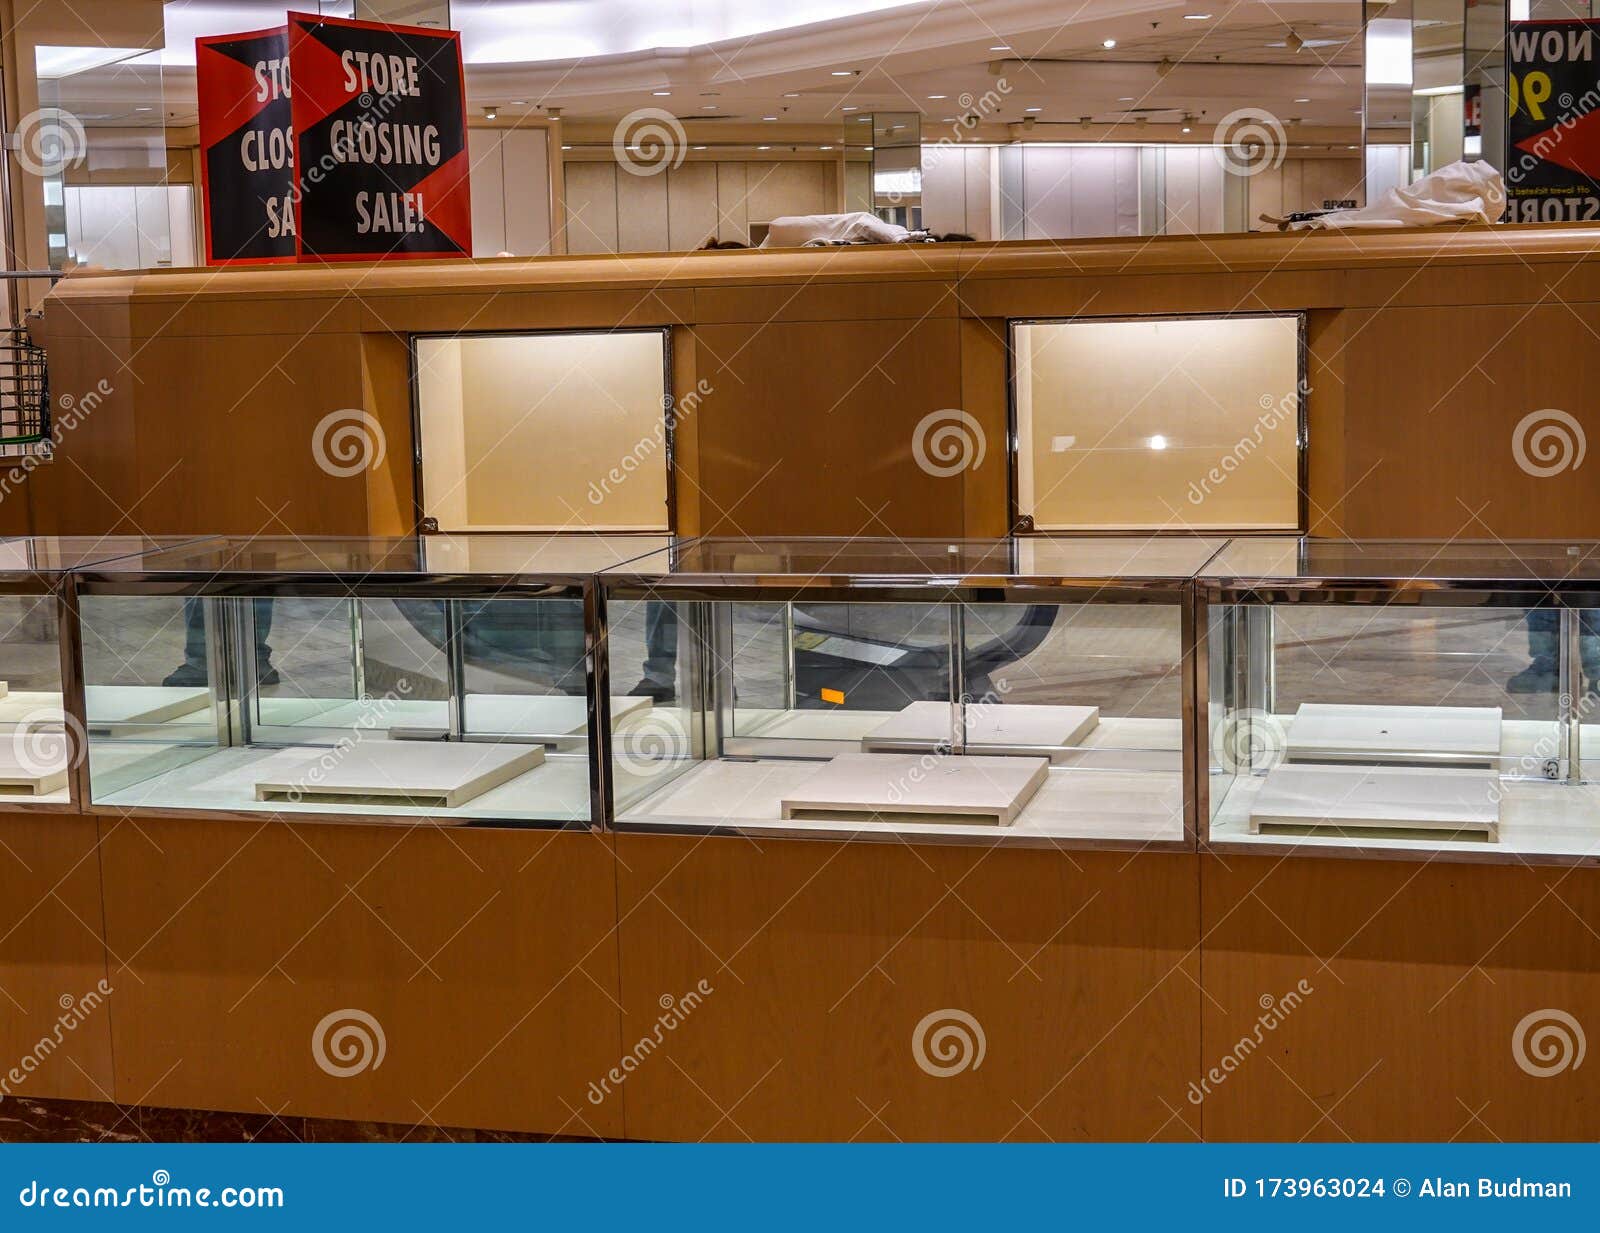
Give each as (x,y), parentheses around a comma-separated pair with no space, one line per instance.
(1103,122)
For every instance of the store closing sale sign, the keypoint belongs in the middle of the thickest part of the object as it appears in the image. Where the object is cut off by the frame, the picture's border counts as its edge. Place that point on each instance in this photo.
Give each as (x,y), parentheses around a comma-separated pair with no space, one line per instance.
(380,121)
(1553,124)
(246,146)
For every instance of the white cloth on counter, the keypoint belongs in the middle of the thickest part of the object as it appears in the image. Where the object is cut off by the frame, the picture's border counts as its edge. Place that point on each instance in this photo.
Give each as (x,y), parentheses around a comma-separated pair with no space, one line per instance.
(798,230)
(1459,193)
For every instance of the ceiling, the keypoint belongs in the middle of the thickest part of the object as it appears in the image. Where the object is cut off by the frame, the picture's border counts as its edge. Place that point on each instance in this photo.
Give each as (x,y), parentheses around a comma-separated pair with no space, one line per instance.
(801,64)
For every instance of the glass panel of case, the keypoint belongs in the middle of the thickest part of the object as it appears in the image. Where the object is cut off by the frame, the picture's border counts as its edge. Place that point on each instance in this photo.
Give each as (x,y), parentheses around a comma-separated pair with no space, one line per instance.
(1402,697)
(904,689)
(430,701)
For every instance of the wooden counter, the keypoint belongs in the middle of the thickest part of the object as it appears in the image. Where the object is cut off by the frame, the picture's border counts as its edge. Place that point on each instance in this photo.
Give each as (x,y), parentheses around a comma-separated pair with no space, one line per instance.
(1425,349)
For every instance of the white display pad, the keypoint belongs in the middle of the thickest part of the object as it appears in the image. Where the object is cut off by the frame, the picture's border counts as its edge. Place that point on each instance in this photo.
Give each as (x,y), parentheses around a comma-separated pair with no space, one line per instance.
(448,773)
(142,704)
(548,716)
(909,787)
(1000,728)
(1394,798)
(1464,734)
(16,779)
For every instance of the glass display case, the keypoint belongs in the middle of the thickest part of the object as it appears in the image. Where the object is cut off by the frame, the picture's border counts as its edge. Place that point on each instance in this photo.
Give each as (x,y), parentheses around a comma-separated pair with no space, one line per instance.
(1402,698)
(40,737)
(443,678)
(1026,690)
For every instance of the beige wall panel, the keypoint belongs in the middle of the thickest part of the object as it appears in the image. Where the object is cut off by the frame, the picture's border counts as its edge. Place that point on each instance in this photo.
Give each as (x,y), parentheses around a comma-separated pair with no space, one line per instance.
(527,191)
(777,189)
(591,194)
(485,956)
(1078,969)
(692,213)
(487,183)
(51,956)
(732,204)
(641,212)
(981,173)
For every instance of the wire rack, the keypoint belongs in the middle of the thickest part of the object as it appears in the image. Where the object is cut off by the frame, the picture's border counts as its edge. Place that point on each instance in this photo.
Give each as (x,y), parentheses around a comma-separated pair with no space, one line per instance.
(24,392)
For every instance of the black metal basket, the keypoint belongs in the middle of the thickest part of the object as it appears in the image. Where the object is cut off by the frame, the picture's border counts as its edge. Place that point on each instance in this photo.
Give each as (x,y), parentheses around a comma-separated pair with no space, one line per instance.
(24,390)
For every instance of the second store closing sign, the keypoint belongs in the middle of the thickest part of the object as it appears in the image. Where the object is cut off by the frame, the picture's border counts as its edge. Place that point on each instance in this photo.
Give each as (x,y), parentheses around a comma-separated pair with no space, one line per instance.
(380,140)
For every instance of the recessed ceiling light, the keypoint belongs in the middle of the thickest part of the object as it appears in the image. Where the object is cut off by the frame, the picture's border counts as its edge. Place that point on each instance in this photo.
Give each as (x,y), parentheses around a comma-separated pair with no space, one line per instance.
(1302,100)
(1158,442)
(1197,17)
(519,102)
(662,93)
(144,108)
(763,147)
(1126,98)
(792,94)
(844,73)
(851,108)
(1108,44)
(938,96)
(489,113)
(708,107)
(769,117)
(1001,47)
(869,149)
(1033,109)
(699,147)
(824,147)
(566,147)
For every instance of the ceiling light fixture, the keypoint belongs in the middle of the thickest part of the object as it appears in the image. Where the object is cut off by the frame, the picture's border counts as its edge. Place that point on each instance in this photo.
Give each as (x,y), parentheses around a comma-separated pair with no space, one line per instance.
(662,93)
(1000,47)
(1033,109)
(843,73)
(1302,100)
(938,96)
(792,94)
(1197,17)
(769,117)
(489,113)
(1108,44)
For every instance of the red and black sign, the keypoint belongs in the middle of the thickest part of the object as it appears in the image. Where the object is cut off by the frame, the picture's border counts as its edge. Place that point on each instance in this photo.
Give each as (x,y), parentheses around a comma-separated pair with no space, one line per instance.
(1553,128)
(246,146)
(380,121)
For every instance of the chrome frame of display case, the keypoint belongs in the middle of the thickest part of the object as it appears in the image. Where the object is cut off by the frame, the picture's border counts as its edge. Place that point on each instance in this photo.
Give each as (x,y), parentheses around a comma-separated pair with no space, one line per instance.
(420,584)
(1022,524)
(1567,596)
(669,413)
(624,583)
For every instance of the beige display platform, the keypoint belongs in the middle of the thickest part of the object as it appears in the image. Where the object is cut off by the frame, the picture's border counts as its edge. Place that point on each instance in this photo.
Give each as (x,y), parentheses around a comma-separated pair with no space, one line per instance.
(543,716)
(19,780)
(1463,735)
(443,773)
(996,728)
(1399,798)
(142,704)
(918,788)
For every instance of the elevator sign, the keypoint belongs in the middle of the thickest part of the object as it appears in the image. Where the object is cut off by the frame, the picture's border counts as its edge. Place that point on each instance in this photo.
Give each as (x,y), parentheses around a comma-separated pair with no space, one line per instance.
(246,146)
(380,122)
(1553,125)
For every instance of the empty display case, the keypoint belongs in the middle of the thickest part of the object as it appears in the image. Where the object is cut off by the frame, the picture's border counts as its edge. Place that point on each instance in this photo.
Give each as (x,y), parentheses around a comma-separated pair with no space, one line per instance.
(1028,690)
(1402,698)
(442,678)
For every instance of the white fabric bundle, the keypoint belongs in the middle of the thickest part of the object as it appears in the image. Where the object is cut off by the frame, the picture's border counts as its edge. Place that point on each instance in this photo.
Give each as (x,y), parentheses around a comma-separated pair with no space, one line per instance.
(1459,193)
(798,230)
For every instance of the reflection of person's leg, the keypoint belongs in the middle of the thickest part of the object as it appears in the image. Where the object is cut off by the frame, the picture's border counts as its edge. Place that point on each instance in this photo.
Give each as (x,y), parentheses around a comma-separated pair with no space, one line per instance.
(192,671)
(1544,648)
(660,653)
(266,674)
